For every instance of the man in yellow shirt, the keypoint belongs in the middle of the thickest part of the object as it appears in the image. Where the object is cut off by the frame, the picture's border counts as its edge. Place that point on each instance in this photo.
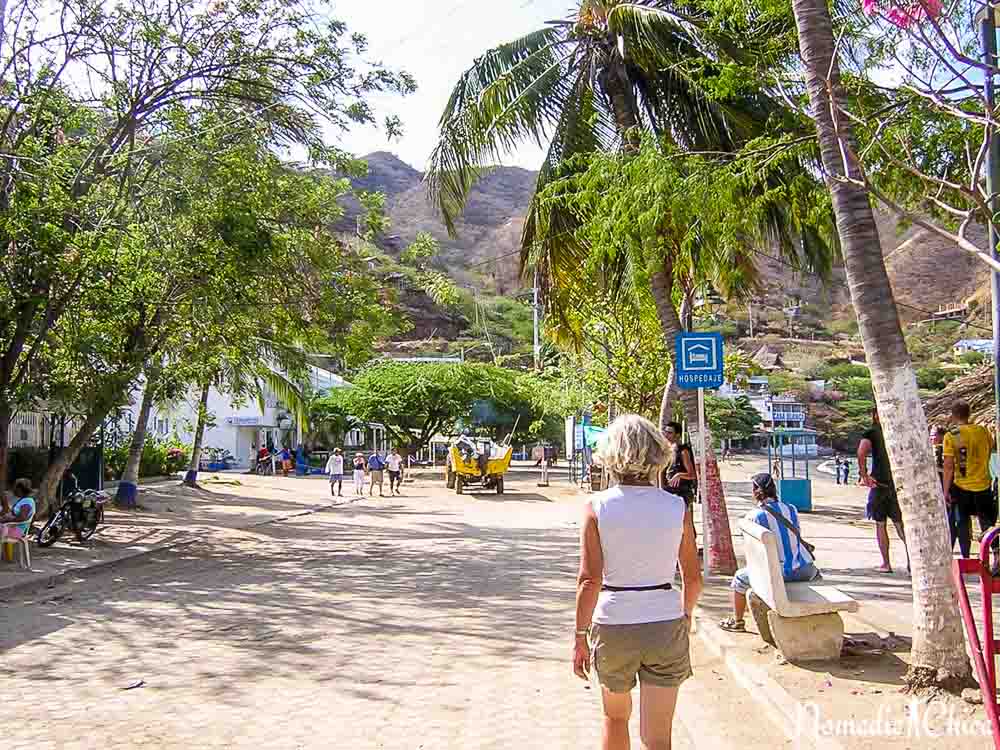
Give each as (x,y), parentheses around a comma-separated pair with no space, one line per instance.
(967,482)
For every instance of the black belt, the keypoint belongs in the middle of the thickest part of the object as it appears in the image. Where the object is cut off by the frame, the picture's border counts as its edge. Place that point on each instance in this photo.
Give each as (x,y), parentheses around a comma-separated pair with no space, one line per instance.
(658,587)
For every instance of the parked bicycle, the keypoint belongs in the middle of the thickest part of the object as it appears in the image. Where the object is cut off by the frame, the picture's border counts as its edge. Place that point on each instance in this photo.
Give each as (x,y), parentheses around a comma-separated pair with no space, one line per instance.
(81,512)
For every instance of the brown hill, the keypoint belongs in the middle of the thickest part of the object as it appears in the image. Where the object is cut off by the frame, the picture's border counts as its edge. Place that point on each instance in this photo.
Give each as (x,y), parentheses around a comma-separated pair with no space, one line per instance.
(926,272)
(490,227)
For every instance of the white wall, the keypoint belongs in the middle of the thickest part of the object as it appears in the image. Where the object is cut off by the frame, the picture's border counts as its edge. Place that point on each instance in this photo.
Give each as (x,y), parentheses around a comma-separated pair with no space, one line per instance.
(240,426)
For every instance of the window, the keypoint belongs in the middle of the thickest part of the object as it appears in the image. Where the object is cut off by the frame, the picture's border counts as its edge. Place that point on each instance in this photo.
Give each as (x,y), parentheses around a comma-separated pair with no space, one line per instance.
(162,426)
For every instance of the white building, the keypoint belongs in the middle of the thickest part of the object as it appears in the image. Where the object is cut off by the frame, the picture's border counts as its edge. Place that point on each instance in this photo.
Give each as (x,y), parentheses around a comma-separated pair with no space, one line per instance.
(776,411)
(240,427)
(983,346)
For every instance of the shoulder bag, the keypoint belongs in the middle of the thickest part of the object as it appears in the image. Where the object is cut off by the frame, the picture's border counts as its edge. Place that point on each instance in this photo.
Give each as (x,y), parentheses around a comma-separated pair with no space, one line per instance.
(788,525)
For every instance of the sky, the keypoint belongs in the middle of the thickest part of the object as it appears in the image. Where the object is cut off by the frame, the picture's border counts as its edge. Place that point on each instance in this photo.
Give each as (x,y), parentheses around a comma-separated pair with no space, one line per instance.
(435,41)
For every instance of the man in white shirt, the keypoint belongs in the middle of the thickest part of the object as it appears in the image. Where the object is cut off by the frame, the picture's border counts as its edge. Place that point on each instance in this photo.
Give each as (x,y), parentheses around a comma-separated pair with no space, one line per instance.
(335,468)
(394,463)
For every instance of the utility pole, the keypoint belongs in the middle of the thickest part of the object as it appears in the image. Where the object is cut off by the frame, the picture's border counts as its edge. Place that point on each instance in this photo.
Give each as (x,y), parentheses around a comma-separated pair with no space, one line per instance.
(534,314)
(987,26)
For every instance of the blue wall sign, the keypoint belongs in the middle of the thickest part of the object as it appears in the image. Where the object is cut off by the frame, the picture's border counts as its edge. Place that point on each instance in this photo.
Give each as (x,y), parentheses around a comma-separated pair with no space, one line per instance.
(698,360)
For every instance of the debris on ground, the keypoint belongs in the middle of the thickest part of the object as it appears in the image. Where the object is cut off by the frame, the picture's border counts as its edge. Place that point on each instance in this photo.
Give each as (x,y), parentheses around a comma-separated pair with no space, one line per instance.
(973,696)
(135,685)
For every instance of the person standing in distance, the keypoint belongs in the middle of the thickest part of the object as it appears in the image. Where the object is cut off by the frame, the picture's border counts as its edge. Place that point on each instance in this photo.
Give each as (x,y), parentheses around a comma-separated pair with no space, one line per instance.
(376,467)
(335,468)
(681,477)
(883,505)
(967,483)
(394,463)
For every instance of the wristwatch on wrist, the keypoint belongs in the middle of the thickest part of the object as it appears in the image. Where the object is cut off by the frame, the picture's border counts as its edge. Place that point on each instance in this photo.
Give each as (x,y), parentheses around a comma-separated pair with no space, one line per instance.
(582,632)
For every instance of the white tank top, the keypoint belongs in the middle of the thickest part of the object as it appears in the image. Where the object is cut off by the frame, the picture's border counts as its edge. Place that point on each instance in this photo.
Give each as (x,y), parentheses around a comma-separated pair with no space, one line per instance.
(641,529)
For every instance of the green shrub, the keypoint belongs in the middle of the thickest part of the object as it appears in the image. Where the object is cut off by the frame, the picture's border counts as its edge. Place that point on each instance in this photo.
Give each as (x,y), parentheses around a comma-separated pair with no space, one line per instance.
(972,358)
(934,378)
(159,457)
(841,371)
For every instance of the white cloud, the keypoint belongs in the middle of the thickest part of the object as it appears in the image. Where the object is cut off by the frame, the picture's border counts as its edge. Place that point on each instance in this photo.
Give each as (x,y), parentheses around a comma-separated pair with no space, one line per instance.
(435,40)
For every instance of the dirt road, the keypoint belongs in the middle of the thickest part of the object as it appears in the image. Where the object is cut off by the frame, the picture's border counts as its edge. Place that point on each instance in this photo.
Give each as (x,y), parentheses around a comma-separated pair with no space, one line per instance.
(426,621)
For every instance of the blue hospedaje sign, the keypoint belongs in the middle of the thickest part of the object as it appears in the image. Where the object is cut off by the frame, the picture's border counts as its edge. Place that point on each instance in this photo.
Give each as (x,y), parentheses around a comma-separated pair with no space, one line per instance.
(698,360)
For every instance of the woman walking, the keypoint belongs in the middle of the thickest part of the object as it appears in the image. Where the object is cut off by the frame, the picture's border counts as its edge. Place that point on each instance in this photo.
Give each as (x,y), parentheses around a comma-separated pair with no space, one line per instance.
(631,621)
(359,474)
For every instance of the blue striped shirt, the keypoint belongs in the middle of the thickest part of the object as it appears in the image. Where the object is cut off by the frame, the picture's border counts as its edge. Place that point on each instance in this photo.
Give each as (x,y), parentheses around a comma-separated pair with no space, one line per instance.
(792,554)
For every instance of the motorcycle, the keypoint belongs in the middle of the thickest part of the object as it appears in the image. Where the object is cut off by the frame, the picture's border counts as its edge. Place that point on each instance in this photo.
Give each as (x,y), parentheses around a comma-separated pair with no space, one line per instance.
(82,512)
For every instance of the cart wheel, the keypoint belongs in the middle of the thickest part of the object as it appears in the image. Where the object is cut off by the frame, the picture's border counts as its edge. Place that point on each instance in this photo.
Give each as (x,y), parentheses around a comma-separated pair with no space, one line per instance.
(458,485)
(499,485)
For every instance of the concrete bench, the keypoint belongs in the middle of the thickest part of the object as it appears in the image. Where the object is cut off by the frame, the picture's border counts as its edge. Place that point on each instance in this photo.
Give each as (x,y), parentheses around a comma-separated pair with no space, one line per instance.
(801,619)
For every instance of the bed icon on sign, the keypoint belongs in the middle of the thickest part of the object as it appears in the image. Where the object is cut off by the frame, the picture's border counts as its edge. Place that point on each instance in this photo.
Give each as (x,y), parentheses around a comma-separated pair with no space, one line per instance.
(699,360)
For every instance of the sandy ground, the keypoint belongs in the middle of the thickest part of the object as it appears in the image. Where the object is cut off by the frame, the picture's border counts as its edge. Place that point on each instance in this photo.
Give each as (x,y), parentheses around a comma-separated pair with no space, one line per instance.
(425,621)
(866,685)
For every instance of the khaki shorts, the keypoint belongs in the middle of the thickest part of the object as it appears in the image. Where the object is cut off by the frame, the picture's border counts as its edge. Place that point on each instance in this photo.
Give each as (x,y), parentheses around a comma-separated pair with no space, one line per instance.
(657,652)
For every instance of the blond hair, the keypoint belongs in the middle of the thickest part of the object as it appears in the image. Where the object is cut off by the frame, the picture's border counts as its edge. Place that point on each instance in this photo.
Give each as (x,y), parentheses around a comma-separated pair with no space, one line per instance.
(634,448)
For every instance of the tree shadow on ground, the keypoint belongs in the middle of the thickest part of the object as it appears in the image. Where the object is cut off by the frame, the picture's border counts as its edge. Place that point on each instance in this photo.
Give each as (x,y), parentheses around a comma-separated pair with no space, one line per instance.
(273,594)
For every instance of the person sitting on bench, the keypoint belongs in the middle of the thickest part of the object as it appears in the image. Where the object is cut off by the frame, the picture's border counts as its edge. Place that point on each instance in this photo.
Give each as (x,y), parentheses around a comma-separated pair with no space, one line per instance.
(797,563)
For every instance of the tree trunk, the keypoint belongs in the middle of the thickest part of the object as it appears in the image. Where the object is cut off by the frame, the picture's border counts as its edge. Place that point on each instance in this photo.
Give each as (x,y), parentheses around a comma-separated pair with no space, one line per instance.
(938,653)
(721,555)
(191,478)
(65,458)
(128,486)
(6,417)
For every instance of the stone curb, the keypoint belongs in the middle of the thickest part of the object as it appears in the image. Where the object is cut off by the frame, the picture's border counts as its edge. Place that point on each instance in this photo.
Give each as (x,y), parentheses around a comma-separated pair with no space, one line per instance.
(778,704)
(37,584)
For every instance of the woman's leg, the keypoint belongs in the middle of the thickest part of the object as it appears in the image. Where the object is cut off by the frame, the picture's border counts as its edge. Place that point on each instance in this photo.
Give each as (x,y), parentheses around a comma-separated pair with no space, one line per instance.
(617,712)
(656,715)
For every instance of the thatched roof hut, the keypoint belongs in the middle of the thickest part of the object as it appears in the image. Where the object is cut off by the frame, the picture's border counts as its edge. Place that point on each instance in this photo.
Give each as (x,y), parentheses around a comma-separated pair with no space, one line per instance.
(976,388)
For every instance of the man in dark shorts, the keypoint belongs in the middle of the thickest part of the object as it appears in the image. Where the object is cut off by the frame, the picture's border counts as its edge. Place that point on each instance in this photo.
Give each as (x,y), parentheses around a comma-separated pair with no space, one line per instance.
(968,486)
(883,505)
(680,477)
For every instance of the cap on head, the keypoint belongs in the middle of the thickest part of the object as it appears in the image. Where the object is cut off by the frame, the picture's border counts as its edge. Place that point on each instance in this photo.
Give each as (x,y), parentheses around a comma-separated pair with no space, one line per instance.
(765,483)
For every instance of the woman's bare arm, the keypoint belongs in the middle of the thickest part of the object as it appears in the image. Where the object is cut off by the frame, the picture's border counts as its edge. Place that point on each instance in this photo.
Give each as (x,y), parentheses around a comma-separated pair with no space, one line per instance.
(690,569)
(591,577)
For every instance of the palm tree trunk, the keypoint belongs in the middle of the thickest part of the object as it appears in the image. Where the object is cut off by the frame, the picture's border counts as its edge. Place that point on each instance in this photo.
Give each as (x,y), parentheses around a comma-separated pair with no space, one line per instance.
(128,486)
(191,478)
(938,655)
(721,555)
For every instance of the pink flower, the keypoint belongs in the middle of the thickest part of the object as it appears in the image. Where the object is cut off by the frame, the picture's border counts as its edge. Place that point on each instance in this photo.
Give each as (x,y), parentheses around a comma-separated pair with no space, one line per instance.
(904,14)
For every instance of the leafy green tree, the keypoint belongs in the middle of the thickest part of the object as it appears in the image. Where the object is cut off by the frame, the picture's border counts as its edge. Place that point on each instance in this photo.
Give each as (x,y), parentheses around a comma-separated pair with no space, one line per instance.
(590,84)
(731,418)
(98,144)
(416,401)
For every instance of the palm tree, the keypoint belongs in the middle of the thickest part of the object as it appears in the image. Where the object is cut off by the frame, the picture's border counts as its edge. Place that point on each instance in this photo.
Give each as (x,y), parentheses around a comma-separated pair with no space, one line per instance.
(938,655)
(592,83)
(241,379)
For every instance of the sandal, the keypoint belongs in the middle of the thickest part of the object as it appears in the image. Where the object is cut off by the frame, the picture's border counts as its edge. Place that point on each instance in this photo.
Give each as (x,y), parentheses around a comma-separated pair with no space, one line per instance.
(733,625)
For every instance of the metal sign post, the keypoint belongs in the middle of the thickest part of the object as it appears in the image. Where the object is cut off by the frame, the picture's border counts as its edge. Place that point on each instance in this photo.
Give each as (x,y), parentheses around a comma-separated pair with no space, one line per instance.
(702,472)
(698,360)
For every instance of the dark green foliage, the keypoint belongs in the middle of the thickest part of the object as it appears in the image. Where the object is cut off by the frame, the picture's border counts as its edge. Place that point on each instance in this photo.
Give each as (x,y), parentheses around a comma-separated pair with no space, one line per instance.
(159,457)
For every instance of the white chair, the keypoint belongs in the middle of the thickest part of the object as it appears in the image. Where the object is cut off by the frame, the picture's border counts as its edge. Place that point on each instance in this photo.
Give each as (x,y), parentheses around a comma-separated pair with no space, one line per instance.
(24,558)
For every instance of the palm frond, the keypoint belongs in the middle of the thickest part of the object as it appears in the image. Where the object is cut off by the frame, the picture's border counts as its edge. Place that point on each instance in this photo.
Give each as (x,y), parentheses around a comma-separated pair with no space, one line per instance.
(513,93)
(287,392)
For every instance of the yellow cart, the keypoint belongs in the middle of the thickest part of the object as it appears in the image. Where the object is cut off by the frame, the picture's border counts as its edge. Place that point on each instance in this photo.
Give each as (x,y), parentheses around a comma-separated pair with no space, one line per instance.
(484,474)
